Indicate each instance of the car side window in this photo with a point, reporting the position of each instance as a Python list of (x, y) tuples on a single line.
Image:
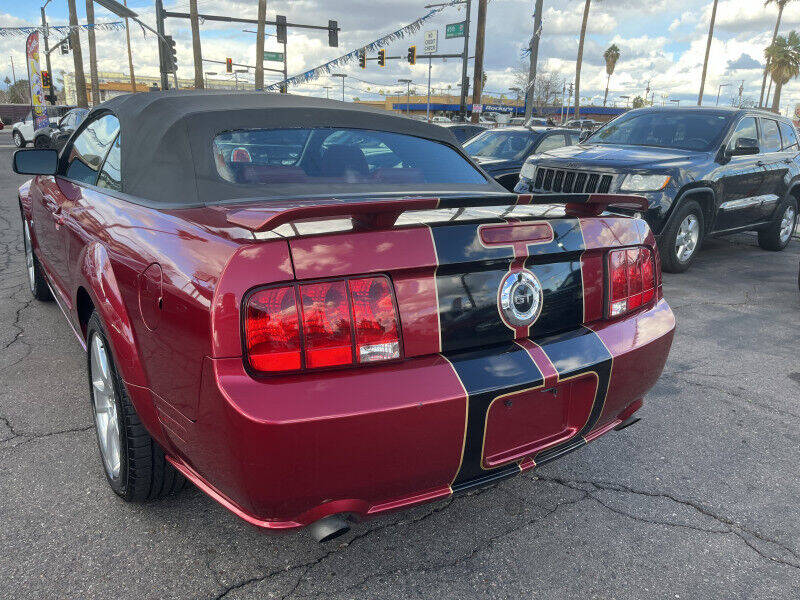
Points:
[(746, 128), (89, 149), (770, 136), (551, 142), (789, 135), (110, 176)]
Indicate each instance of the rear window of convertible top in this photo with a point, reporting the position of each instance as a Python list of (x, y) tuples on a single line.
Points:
[(337, 155)]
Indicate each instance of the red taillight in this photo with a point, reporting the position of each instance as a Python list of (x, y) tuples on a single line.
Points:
[(375, 319), (326, 324), (334, 323), (631, 279), (272, 330), (240, 155)]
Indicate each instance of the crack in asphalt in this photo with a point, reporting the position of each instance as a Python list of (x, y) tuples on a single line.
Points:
[(20, 438), (731, 526), (369, 532)]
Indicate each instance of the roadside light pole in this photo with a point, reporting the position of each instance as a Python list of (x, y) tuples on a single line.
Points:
[(719, 89), (408, 94), (342, 75)]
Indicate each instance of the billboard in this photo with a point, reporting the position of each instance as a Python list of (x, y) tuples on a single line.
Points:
[(35, 80)]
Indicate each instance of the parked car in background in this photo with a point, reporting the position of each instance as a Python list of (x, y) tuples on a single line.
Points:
[(516, 121), (439, 120), (463, 131), (22, 132), (2, 125), (537, 122), (704, 171), (501, 152), (313, 338), (582, 124), (55, 136)]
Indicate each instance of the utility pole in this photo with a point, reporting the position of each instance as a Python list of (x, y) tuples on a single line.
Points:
[(462, 105), (197, 52), (477, 75), (45, 35), (534, 48), (741, 91), (428, 110), (262, 17), (13, 72), (77, 56), (92, 53), (130, 54)]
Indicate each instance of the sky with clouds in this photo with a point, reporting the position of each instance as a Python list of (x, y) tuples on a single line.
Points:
[(661, 42)]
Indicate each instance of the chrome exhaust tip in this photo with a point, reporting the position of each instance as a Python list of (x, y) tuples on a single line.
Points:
[(329, 528)]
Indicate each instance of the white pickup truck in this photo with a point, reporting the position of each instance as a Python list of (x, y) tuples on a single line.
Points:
[(22, 131)]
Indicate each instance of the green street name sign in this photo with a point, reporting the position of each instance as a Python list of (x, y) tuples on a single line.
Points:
[(274, 56), (454, 30)]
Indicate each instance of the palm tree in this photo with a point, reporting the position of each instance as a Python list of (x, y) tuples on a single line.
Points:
[(781, 5), (708, 51), (783, 58), (612, 56), (579, 62)]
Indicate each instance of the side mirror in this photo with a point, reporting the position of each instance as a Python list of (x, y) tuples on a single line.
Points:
[(40, 161), (745, 147)]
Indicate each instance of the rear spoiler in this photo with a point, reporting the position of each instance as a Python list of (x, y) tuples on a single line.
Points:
[(374, 213)]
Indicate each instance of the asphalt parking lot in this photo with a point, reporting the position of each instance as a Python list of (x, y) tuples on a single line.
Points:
[(698, 500)]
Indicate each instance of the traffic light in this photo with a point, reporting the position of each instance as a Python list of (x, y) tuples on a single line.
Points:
[(280, 26), (333, 34), (46, 79), (362, 58), (381, 58), (229, 65), (169, 56), (412, 55)]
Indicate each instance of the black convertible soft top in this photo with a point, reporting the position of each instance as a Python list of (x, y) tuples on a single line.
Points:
[(167, 155)]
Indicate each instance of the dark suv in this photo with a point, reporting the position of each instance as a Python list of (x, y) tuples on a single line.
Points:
[(703, 171)]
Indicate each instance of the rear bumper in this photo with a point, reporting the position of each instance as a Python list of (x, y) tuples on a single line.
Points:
[(283, 452)]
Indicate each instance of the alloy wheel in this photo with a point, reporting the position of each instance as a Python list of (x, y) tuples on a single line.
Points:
[(104, 401), (687, 238), (787, 224), (18, 139), (29, 265)]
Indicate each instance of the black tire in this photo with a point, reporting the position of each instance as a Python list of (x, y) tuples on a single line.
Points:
[(769, 238), (670, 261), (144, 473), (41, 142), (19, 141), (34, 273)]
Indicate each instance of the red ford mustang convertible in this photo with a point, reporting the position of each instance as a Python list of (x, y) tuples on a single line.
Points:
[(319, 313)]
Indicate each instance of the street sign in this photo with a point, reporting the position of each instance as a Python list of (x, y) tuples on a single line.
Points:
[(273, 56), (431, 41), (477, 108), (454, 30)]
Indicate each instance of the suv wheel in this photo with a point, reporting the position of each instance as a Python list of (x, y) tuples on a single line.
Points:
[(777, 235), (36, 280), (19, 141), (682, 238), (134, 463)]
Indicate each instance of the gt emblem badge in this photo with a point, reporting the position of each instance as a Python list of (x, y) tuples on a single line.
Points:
[(521, 298)]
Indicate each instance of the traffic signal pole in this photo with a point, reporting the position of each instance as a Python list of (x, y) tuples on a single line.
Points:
[(95, 83), (160, 30), (45, 35)]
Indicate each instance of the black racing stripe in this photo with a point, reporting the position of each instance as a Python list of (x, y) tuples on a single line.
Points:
[(562, 293), (467, 281), (575, 353), (461, 243), (486, 374), (567, 237)]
